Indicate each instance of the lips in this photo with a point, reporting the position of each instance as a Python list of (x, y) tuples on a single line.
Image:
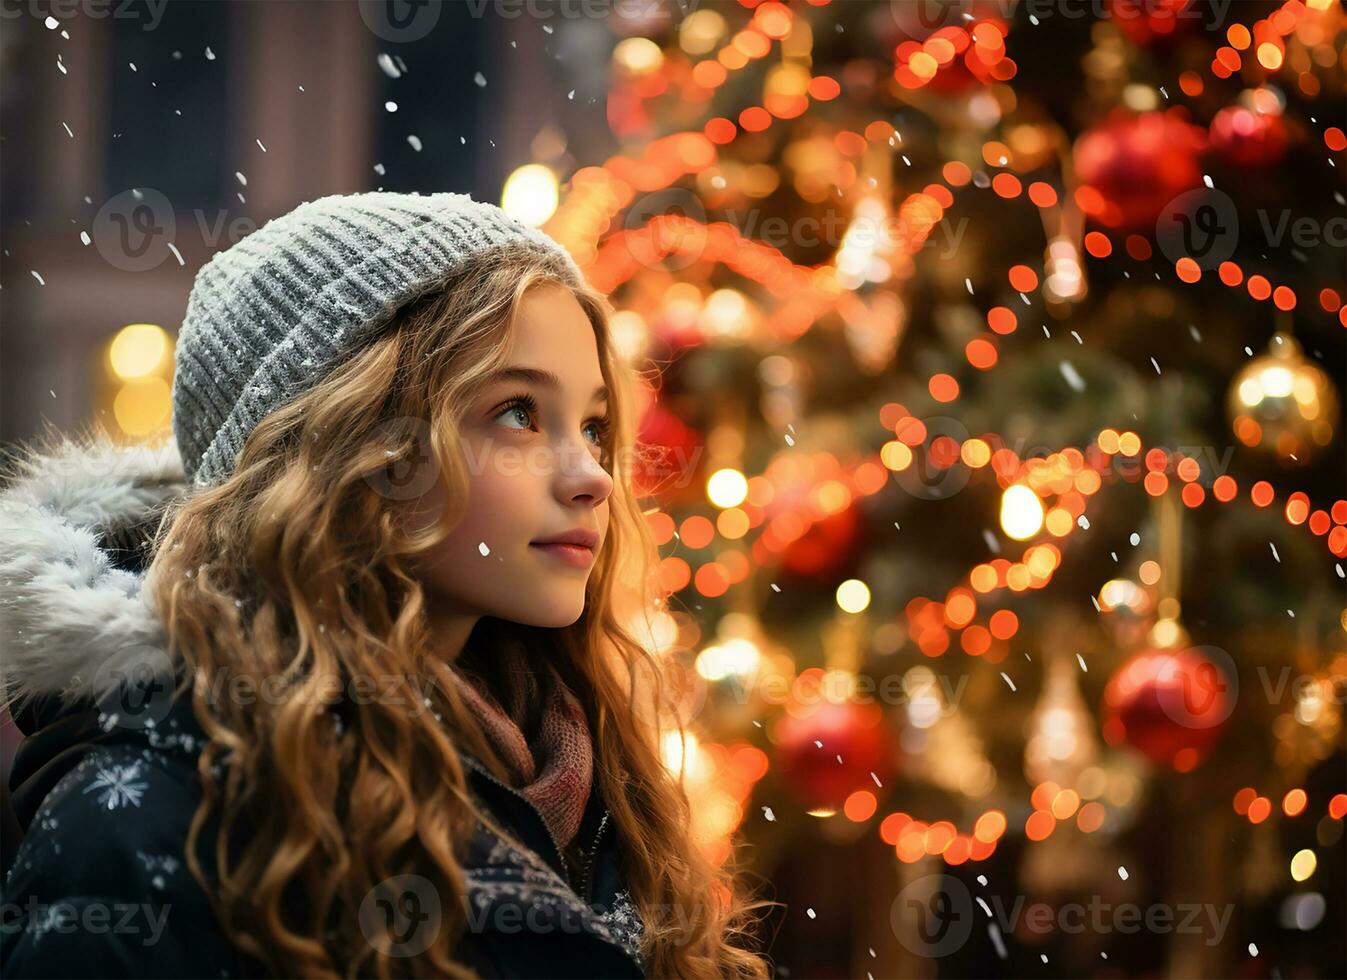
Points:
[(579, 537), (575, 548)]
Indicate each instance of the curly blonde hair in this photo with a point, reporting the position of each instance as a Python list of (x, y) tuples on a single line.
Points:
[(298, 572)]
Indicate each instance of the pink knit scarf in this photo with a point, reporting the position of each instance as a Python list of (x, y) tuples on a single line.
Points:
[(554, 773)]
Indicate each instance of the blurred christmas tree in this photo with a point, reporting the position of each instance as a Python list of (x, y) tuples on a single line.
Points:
[(1000, 483)]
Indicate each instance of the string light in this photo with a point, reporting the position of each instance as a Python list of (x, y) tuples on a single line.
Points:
[(530, 194)]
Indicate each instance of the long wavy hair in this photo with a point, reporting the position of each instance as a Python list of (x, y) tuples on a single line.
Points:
[(299, 573)]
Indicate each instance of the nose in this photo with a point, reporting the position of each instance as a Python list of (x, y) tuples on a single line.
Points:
[(581, 479)]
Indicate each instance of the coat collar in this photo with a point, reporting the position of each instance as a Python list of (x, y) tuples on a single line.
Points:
[(76, 518), (533, 831)]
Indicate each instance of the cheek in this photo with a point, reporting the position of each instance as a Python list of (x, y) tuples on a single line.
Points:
[(509, 504), (503, 501)]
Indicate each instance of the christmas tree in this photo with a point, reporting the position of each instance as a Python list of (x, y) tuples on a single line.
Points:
[(998, 467)]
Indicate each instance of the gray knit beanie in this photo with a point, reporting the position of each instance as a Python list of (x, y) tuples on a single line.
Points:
[(268, 317)]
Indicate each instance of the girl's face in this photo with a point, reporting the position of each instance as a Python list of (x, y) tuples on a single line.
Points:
[(537, 509)]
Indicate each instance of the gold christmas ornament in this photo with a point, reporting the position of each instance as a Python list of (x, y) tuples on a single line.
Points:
[(1283, 403), (1128, 606), (1061, 742)]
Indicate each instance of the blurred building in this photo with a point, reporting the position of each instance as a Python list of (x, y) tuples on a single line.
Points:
[(141, 138)]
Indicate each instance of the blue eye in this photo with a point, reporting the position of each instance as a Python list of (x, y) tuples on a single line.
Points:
[(519, 409), (599, 427)]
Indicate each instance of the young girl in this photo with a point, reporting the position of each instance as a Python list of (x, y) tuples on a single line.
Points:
[(346, 680)]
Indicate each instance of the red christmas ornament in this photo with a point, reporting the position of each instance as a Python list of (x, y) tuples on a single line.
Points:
[(1131, 166), (808, 748), (827, 548), (1147, 22), (1246, 138), (1171, 705), (956, 78)]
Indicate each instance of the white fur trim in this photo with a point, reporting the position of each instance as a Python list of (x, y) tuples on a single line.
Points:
[(70, 622)]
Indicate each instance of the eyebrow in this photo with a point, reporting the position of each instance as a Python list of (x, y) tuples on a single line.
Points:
[(539, 376)]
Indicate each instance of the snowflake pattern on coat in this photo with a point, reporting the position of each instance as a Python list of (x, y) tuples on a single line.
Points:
[(118, 786), (159, 865), (518, 875)]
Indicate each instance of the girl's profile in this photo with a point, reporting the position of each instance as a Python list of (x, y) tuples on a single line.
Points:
[(348, 677)]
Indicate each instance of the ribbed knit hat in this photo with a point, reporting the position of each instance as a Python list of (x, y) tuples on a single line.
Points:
[(268, 317)]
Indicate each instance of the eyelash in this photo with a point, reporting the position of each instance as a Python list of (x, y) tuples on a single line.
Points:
[(529, 404)]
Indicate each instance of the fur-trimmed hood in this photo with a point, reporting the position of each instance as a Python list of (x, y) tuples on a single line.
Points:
[(76, 619), (76, 517)]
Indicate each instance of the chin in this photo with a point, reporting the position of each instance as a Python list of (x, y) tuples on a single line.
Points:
[(553, 615)]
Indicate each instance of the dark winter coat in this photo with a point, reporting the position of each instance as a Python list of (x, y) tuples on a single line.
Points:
[(105, 784)]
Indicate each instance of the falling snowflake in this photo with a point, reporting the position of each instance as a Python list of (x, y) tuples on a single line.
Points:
[(117, 786), (997, 941)]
